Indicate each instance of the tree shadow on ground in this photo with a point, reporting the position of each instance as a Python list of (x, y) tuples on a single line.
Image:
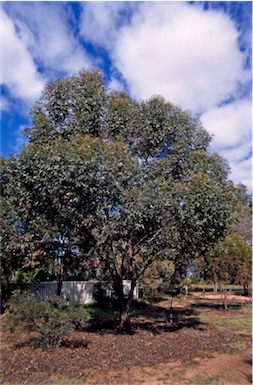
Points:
[(248, 359), (215, 306), (151, 318), (102, 325), (189, 323)]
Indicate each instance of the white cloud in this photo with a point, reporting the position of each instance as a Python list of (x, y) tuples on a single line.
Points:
[(19, 71), (116, 85), (242, 173), (230, 124), (45, 29), (237, 154), (192, 58), (100, 22), (188, 55), (240, 161)]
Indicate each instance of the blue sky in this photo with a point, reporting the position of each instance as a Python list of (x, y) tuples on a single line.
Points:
[(196, 54)]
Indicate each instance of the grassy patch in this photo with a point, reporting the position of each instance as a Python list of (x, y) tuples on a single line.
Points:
[(217, 380), (239, 324)]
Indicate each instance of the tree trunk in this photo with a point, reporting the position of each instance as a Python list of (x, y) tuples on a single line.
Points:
[(170, 312), (60, 277), (225, 300), (247, 287), (59, 286), (125, 306), (216, 285), (124, 319), (224, 296), (186, 288)]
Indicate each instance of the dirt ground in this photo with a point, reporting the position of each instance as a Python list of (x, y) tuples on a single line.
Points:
[(206, 345)]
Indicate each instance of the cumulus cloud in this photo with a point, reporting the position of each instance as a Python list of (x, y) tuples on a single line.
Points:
[(238, 154), (101, 21), (230, 124), (192, 57), (47, 31), (242, 173), (240, 161), (19, 71), (188, 55), (116, 85)]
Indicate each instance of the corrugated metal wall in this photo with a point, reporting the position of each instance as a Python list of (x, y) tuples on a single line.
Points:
[(72, 292)]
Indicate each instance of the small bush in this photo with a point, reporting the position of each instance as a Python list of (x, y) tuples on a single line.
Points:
[(79, 316), (50, 318), (54, 328), (23, 307)]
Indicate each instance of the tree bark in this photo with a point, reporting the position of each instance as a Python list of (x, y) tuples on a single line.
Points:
[(224, 296), (60, 277), (125, 306), (215, 280), (246, 289), (59, 286)]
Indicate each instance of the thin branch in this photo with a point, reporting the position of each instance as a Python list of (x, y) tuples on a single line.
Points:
[(151, 239), (148, 263), (140, 241)]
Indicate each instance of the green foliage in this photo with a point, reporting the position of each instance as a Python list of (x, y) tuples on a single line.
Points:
[(109, 182), (156, 279), (242, 215), (49, 318), (23, 307), (229, 260), (233, 260), (195, 280), (67, 107), (79, 316)]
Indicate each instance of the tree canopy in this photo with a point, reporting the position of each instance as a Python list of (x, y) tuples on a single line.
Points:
[(114, 183)]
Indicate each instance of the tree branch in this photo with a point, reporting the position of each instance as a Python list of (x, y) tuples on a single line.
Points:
[(151, 239), (147, 264)]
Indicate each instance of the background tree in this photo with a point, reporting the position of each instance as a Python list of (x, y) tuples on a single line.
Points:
[(156, 279), (242, 215), (229, 261)]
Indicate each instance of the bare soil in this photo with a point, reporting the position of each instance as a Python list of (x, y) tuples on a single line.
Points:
[(205, 345)]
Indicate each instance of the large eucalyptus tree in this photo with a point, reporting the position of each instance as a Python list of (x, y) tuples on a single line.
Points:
[(123, 182)]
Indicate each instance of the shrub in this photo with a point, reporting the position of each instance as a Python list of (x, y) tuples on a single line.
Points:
[(23, 307), (49, 318), (79, 316), (54, 328)]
